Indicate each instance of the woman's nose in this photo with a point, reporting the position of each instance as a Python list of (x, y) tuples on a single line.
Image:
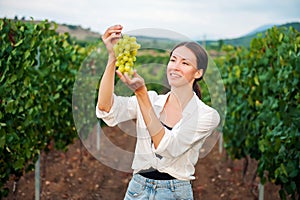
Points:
[(176, 65)]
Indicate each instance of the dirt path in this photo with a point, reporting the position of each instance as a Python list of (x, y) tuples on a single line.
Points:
[(77, 175)]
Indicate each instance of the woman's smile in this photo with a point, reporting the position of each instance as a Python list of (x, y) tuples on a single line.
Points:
[(175, 75)]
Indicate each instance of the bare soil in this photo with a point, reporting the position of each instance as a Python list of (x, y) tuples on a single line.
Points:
[(77, 175)]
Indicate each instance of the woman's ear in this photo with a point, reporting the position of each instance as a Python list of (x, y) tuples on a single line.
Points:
[(198, 74)]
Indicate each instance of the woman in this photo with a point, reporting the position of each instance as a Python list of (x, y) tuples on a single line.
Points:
[(171, 128)]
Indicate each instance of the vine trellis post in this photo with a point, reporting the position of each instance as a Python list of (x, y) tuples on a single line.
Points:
[(37, 164)]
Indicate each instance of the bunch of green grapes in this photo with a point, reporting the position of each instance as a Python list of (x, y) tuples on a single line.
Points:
[(125, 51)]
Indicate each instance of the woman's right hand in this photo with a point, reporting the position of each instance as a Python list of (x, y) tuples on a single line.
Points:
[(110, 38)]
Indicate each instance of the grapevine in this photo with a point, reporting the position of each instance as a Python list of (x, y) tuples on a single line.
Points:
[(262, 86), (36, 94)]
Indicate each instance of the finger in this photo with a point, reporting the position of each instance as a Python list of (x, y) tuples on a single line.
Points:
[(120, 75), (114, 32), (127, 78), (135, 74), (116, 29), (112, 37)]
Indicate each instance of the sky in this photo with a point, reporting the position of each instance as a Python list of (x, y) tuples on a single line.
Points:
[(195, 19)]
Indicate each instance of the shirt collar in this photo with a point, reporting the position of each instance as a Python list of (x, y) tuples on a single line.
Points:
[(161, 101), (191, 106), (189, 109)]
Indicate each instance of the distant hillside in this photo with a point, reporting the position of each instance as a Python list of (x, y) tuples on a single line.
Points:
[(245, 40), (87, 35), (75, 31), (78, 32), (260, 29)]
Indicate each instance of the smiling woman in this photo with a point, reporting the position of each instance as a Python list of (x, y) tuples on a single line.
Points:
[(192, 56), (171, 128)]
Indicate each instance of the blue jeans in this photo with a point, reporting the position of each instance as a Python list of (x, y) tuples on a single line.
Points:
[(141, 188)]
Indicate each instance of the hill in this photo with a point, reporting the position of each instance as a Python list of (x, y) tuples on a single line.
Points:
[(78, 32), (260, 29), (245, 40), (86, 35)]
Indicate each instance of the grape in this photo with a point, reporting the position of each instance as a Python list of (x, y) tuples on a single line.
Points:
[(125, 51)]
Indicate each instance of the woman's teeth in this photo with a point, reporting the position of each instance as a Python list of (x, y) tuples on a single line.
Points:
[(174, 75)]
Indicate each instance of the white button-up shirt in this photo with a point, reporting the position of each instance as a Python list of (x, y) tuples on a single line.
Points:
[(179, 149)]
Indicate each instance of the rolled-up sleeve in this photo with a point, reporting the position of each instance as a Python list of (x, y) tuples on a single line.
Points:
[(123, 109), (190, 131)]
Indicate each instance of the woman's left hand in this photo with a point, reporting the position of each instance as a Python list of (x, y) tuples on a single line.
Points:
[(133, 83)]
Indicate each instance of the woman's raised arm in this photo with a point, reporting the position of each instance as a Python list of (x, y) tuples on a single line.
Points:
[(106, 88)]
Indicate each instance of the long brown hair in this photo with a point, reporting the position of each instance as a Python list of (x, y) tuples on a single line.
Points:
[(202, 61)]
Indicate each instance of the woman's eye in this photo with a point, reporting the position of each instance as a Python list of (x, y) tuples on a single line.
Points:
[(172, 60), (185, 63)]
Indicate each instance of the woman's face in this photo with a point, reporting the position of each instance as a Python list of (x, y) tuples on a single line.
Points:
[(182, 67)]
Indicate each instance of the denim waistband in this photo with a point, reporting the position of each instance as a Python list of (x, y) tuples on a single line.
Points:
[(160, 183)]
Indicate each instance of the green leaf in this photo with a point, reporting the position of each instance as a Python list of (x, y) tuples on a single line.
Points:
[(19, 164), (18, 43), (13, 79), (28, 153), (2, 141), (28, 104), (261, 145), (56, 96), (280, 37), (283, 169), (10, 107), (256, 81)]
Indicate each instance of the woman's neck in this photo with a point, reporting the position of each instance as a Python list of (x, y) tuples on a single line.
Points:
[(181, 96)]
